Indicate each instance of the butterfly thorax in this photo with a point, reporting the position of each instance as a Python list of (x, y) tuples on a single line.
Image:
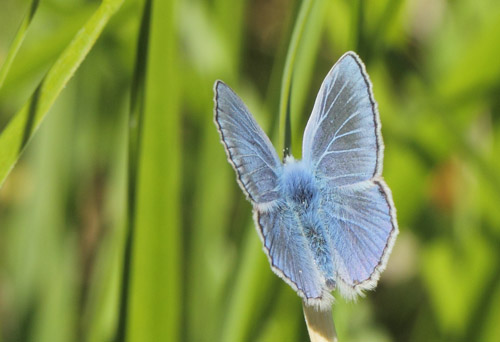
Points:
[(298, 185)]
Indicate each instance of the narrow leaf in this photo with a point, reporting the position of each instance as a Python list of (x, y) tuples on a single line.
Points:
[(24, 124), (18, 40), (286, 82), (155, 296)]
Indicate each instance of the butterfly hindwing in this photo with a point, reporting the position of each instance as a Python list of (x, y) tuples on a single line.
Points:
[(248, 148), (362, 230), (288, 252)]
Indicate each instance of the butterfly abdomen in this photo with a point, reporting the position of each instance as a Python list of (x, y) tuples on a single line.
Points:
[(302, 195)]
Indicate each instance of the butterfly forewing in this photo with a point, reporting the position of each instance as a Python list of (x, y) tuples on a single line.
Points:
[(342, 138), (248, 148)]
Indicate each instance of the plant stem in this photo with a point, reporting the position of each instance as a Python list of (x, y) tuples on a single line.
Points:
[(319, 324)]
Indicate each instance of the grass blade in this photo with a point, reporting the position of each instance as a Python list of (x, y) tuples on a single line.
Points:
[(136, 113), (24, 124), (286, 82), (155, 296), (18, 40), (251, 291)]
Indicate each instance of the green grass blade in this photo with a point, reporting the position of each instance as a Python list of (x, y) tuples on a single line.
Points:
[(251, 291), (136, 114), (210, 268), (52, 245), (24, 124), (230, 19), (39, 51), (286, 83), (305, 64), (155, 302), (18, 40)]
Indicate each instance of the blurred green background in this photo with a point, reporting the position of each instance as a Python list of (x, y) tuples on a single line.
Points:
[(122, 218)]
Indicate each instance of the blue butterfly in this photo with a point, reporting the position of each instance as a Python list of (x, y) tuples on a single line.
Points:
[(327, 221)]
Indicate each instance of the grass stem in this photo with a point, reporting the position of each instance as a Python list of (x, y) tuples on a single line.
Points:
[(319, 324)]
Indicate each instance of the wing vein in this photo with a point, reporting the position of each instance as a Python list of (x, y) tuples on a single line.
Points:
[(336, 97)]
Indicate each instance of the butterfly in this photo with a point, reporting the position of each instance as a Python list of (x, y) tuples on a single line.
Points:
[(327, 221)]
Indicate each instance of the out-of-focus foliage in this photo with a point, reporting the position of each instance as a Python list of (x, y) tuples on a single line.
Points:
[(129, 153)]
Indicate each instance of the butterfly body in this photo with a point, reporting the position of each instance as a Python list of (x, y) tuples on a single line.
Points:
[(326, 221), (302, 199)]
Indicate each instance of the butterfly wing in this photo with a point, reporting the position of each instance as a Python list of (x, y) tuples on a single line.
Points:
[(362, 227), (258, 170), (289, 255), (247, 147), (344, 149), (342, 139)]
